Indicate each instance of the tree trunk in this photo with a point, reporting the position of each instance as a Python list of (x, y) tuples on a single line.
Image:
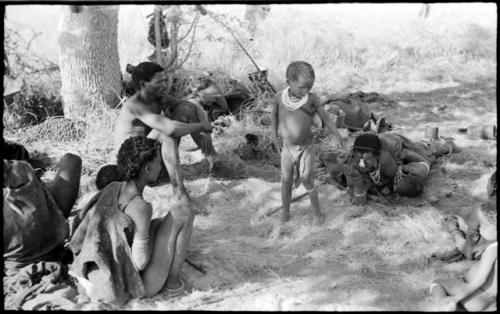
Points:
[(88, 59)]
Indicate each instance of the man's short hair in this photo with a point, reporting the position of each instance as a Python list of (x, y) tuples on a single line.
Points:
[(144, 71), (410, 186), (367, 143), (299, 68)]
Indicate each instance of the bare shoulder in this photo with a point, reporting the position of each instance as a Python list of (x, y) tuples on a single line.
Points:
[(139, 210), (134, 105), (168, 100), (315, 100)]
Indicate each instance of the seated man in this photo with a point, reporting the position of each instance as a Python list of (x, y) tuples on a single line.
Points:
[(120, 252), (477, 289), (141, 114)]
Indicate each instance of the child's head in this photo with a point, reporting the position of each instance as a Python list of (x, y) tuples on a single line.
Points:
[(487, 216), (148, 73), (300, 78), (106, 175), (139, 156)]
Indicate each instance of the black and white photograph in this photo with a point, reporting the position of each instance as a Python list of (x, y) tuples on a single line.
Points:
[(239, 156)]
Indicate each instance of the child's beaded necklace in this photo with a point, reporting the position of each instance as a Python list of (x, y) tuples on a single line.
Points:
[(289, 103)]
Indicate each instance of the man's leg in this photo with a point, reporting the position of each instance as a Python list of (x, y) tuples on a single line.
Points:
[(64, 187), (170, 156), (204, 141), (307, 176), (186, 112), (286, 183)]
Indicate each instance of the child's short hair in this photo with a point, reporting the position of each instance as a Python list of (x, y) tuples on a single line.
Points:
[(144, 71), (133, 155), (106, 175), (299, 68)]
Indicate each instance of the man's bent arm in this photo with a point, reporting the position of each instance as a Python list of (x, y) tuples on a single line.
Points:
[(326, 119), (169, 127)]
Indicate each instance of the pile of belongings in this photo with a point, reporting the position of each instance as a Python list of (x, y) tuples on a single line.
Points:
[(353, 111)]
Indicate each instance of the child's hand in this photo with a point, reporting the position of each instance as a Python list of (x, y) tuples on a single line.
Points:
[(277, 142), (385, 191)]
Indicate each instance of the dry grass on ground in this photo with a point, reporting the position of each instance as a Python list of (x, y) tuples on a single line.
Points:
[(372, 257)]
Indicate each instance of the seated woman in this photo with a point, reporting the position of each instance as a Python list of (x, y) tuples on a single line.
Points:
[(477, 289), (119, 251)]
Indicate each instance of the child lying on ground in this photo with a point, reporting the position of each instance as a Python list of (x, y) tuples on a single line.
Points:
[(477, 289), (293, 115)]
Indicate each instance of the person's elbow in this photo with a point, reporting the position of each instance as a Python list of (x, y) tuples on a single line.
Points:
[(140, 261), (170, 130)]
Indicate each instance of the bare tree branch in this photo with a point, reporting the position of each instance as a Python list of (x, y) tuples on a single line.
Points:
[(195, 21), (189, 48)]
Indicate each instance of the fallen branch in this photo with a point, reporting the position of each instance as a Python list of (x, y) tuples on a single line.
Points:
[(276, 209), (198, 267)]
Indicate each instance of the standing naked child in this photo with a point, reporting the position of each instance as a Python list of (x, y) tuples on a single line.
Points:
[(293, 111)]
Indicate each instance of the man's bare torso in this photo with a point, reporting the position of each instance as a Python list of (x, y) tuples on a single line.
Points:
[(127, 124)]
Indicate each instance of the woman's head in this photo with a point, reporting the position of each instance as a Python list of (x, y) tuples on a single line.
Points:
[(366, 148), (139, 156)]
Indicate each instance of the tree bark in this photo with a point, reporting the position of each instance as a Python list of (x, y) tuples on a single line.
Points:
[(88, 59)]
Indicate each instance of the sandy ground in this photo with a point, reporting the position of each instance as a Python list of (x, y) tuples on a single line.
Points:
[(373, 257)]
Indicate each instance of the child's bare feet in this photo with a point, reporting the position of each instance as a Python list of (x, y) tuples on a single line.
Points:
[(318, 219), (285, 216)]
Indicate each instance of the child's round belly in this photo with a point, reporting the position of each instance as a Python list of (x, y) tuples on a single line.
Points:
[(296, 130)]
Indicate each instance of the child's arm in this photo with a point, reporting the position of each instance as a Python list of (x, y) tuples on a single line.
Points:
[(485, 265), (275, 118), (326, 120)]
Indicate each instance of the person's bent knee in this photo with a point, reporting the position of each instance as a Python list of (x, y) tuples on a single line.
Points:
[(308, 183), (71, 160)]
